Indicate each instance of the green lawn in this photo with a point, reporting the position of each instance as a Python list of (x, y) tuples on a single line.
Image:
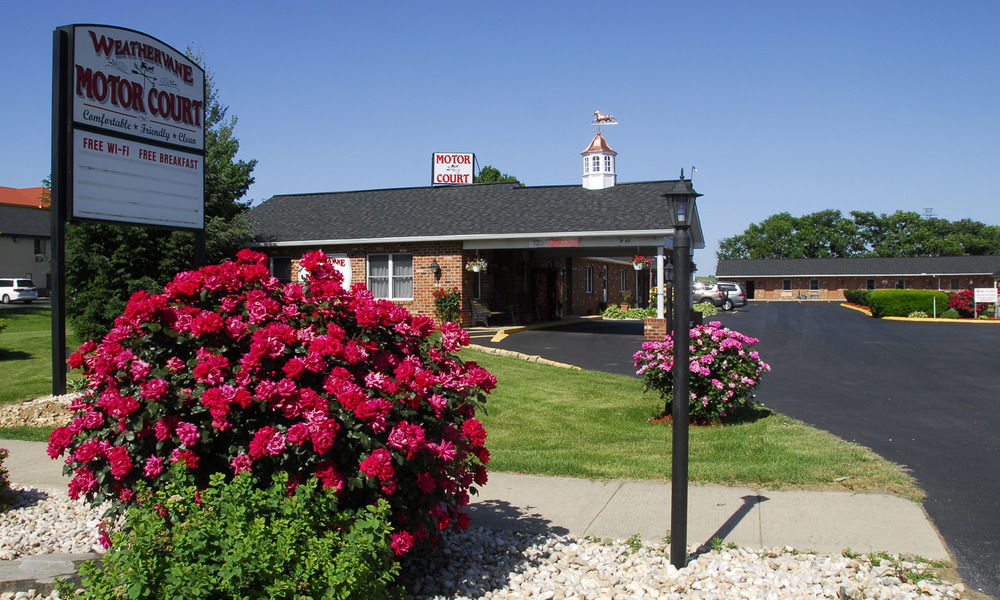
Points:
[(547, 420), (26, 353)]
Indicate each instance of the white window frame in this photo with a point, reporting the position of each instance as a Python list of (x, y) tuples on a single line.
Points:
[(624, 280), (391, 276), (595, 164), (588, 279), (607, 163)]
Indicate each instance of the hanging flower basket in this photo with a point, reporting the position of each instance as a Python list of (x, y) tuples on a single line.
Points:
[(639, 262), (476, 265)]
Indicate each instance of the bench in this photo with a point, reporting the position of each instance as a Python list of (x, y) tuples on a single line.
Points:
[(482, 313)]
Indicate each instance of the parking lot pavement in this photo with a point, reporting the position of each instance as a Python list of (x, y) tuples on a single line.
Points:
[(923, 395)]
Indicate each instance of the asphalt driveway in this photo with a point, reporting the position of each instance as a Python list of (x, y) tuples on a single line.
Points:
[(924, 395)]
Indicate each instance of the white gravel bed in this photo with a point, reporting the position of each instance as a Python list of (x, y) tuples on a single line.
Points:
[(502, 565)]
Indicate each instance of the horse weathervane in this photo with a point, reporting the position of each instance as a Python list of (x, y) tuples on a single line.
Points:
[(603, 119)]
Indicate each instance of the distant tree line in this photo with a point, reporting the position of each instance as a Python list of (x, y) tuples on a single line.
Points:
[(829, 234)]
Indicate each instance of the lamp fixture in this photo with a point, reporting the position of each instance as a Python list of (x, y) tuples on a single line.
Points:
[(435, 268)]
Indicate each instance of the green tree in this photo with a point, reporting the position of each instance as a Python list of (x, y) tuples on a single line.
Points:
[(107, 263), (828, 234), (491, 174)]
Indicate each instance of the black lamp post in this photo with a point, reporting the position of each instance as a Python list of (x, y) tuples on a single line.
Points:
[(682, 206)]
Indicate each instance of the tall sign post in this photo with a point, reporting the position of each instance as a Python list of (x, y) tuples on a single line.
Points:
[(128, 143)]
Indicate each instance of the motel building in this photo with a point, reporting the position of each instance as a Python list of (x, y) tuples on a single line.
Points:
[(550, 251)]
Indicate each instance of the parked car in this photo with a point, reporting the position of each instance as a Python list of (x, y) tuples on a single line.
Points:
[(733, 295), (706, 291), (17, 290)]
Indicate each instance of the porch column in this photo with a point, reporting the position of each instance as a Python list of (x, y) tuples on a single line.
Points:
[(660, 291)]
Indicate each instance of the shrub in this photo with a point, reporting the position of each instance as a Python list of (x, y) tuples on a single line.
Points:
[(229, 370), (859, 297), (917, 314), (707, 309), (963, 300), (951, 313), (899, 303), (5, 493), (3, 324), (724, 371), (447, 305), (613, 312), (237, 541)]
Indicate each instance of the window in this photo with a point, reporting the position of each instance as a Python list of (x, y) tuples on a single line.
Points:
[(955, 284), (595, 163), (814, 284), (900, 284), (624, 280), (870, 284), (39, 246), (281, 268), (588, 279), (607, 164), (786, 284), (390, 276)]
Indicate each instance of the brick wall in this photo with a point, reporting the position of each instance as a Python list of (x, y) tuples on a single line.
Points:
[(832, 287), (447, 254)]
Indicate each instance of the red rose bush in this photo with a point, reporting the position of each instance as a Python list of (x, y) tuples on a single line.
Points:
[(229, 370)]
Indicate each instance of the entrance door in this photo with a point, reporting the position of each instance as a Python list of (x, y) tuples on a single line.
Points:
[(750, 288)]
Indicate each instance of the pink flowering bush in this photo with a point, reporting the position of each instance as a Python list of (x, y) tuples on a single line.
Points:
[(724, 371), (229, 370)]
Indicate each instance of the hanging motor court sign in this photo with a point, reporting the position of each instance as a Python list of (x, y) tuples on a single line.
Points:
[(450, 168), (136, 109)]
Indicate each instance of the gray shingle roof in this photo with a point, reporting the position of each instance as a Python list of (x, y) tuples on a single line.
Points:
[(798, 267), (471, 211), (23, 220)]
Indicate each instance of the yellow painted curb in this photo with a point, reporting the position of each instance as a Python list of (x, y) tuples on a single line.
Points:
[(923, 320), (528, 357)]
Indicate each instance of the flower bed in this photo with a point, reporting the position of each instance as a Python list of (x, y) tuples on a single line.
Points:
[(724, 371), (229, 371)]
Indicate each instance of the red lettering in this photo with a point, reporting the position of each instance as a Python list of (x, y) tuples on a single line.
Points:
[(102, 47), (83, 81), (457, 159), (171, 106), (93, 144), (451, 178), (96, 85)]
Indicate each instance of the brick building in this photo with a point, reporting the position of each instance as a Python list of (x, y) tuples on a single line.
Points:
[(827, 278), (550, 250)]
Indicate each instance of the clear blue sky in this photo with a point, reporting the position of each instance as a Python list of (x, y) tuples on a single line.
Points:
[(782, 106)]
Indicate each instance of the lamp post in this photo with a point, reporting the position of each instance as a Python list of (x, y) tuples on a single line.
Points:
[(682, 206)]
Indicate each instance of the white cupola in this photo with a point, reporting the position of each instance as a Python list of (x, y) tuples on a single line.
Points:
[(599, 164)]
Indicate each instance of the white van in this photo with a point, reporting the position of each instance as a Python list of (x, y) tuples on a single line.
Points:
[(13, 289)]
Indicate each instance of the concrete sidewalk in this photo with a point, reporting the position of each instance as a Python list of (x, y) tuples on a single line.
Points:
[(826, 522)]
